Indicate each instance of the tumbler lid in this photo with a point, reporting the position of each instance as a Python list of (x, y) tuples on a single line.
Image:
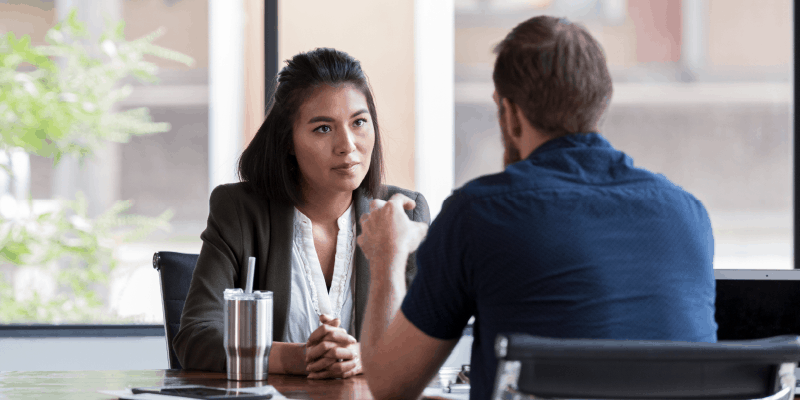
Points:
[(239, 294)]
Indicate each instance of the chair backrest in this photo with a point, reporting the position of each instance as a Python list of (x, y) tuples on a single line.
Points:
[(175, 271), (628, 369)]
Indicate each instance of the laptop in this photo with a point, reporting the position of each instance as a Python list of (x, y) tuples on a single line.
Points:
[(754, 304)]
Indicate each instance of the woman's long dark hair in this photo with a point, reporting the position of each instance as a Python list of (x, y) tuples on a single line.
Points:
[(267, 163)]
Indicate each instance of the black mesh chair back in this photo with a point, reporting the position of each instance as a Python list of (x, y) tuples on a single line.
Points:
[(536, 367), (175, 271)]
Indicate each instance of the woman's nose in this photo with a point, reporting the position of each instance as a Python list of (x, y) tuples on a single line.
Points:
[(346, 142)]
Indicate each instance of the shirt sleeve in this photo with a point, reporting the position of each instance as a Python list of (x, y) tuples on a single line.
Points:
[(441, 300)]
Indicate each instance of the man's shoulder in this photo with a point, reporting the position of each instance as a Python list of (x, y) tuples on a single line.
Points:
[(666, 189), (486, 185)]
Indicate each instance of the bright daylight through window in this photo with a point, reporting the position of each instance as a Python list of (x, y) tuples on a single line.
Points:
[(702, 94)]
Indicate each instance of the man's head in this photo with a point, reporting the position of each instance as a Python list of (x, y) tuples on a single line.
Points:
[(553, 73)]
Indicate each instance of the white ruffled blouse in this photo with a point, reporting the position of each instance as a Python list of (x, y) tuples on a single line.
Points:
[(309, 296)]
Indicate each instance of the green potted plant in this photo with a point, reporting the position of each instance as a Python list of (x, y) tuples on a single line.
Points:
[(58, 100)]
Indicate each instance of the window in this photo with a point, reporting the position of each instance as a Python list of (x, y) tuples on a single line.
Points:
[(702, 94), (160, 172)]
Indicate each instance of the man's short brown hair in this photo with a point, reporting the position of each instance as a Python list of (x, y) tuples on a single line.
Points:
[(556, 73)]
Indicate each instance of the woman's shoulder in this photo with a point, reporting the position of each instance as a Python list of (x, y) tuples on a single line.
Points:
[(239, 195), (420, 212), (392, 190), (235, 191)]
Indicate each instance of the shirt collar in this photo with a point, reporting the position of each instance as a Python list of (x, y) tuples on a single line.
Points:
[(345, 221), (575, 140)]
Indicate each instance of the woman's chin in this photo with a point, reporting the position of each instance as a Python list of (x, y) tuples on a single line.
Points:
[(346, 185)]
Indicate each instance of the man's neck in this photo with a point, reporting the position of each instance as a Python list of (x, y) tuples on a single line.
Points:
[(530, 140)]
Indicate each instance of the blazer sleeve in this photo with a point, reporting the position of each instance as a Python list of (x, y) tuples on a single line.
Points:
[(199, 342), (421, 213)]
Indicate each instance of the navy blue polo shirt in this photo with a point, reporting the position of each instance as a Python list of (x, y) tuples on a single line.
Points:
[(572, 242)]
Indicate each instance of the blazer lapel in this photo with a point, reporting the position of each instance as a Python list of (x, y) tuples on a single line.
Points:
[(361, 265), (278, 277)]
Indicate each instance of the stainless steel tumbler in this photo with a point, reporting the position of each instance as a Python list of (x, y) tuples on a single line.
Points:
[(248, 334)]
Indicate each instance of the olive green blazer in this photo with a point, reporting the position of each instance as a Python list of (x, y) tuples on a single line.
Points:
[(243, 224)]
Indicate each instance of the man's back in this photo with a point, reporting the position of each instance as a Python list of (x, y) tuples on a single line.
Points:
[(571, 242)]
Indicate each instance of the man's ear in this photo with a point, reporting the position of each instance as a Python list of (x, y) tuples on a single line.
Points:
[(512, 116)]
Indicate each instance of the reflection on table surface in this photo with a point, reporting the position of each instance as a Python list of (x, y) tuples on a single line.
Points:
[(85, 384)]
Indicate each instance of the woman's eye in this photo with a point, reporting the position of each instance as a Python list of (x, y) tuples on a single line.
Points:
[(323, 129), (360, 122)]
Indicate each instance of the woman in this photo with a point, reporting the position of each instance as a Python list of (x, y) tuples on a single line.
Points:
[(307, 176)]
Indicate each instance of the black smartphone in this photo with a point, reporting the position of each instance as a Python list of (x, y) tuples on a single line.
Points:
[(203, 392)]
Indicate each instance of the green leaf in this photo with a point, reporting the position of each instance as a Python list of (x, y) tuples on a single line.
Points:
[(63, 105), (13, 252)]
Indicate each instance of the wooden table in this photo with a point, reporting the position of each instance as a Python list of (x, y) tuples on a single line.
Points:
[(85, 384)]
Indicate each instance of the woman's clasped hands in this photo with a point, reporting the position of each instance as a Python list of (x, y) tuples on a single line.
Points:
[(331, 352)]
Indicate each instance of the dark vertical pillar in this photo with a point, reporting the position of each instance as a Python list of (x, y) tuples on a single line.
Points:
[(270, 47), (796, 142)]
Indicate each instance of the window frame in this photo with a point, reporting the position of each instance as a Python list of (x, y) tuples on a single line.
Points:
[(796, 147)]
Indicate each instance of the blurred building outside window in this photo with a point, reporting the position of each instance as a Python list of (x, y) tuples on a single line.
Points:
[(702, 94)]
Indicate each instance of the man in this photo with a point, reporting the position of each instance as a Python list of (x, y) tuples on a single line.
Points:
[(570, 241)]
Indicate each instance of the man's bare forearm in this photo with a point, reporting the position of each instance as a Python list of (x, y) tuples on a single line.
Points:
[(386, 293)]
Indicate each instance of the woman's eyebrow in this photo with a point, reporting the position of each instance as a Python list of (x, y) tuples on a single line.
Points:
[(359, 112), (320, 119), (329, 119)]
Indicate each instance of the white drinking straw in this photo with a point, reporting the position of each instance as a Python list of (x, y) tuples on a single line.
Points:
[(251, 270)]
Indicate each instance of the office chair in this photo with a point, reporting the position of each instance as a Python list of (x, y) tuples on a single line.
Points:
[(175, 271), (532, 367)]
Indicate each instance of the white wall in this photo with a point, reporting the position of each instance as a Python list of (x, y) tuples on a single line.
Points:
[(77, 354), (127, 353)]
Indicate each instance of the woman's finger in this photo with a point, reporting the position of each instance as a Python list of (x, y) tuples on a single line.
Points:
[(320, 333), (340, 353), (338, 335), (337, 340), (355, 371), (329, 320), (320, 364), (315, 352), (343, 369)]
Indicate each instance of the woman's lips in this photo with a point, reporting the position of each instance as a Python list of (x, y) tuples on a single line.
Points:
[(347, 169)]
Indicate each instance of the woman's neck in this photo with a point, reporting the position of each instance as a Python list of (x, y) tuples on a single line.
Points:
[(325, 208)]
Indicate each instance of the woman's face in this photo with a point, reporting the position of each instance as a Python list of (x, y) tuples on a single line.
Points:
[(333, 139)]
